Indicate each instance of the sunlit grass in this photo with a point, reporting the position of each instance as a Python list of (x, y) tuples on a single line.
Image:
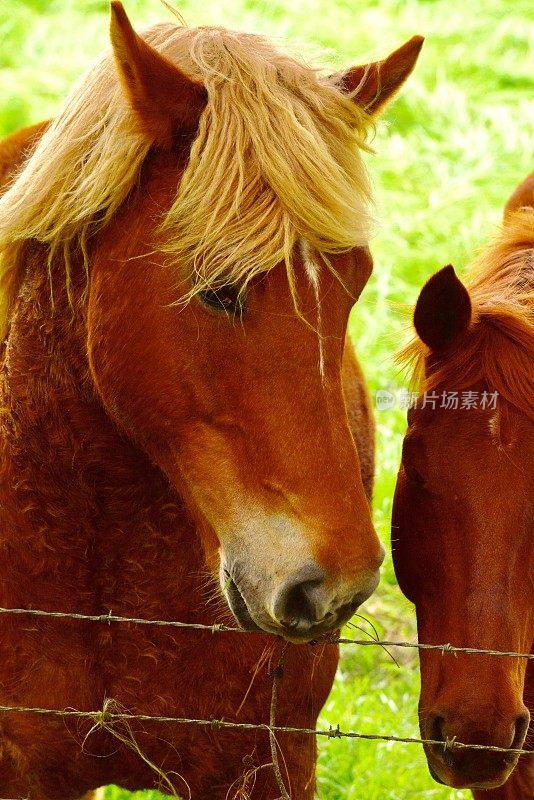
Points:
[(449, 152)]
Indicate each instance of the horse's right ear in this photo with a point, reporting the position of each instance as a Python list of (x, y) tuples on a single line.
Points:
[(443, 310), (164, 99)]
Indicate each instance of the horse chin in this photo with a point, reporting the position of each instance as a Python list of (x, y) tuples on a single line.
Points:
[(457, 781)]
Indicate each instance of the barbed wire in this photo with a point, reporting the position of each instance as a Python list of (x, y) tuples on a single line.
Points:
[(105, 717), (445, 648), (222, 628)]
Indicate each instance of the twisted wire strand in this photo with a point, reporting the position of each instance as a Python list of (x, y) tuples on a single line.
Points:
[(105, 717), (221, 628)]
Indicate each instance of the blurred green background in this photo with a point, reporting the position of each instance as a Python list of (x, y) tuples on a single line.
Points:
[(448, 154)]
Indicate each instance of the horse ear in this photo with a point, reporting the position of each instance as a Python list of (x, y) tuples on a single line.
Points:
[(443, 309), (374, 85), (164, 99)]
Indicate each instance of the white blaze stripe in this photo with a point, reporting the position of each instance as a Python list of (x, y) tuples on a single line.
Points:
[(312, 271)]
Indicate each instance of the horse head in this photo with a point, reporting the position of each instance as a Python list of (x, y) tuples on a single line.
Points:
[(463, 524), (217, 198)]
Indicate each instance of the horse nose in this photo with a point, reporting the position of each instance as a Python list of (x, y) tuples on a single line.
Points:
[(303, 601), (507, 736), (468, 767), (464, 767)]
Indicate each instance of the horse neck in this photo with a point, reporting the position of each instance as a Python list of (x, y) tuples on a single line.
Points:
[(73, 490)]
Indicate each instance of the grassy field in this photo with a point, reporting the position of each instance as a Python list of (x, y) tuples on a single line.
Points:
[(448, 154)]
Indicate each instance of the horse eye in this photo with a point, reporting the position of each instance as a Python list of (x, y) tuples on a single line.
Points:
[(413, 475), (225, 298)]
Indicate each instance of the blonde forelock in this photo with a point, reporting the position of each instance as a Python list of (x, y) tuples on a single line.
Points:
[(278, 156)]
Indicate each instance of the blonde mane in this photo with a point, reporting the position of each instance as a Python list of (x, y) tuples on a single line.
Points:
[(277, 157), (499, 343)]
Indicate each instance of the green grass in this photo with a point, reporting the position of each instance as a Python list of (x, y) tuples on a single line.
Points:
[(449, 152)]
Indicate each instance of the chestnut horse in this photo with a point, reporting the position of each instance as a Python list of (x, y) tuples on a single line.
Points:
[(463, 520), (180, 253)]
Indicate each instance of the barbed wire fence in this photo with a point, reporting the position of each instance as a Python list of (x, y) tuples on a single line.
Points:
[(108, 715)]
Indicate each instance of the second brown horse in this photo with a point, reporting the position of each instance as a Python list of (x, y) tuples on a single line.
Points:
[(463, 517)]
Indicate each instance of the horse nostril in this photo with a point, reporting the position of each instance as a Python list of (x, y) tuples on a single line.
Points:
[(301, 605), (436, 727), (520, 730), (299, 601)]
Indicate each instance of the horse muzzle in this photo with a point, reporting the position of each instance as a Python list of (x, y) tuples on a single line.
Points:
[(301, 608), (464, 768)]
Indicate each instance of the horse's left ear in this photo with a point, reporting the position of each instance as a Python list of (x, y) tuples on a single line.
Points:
[(164, 99), (443, 310), (374, 85)]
